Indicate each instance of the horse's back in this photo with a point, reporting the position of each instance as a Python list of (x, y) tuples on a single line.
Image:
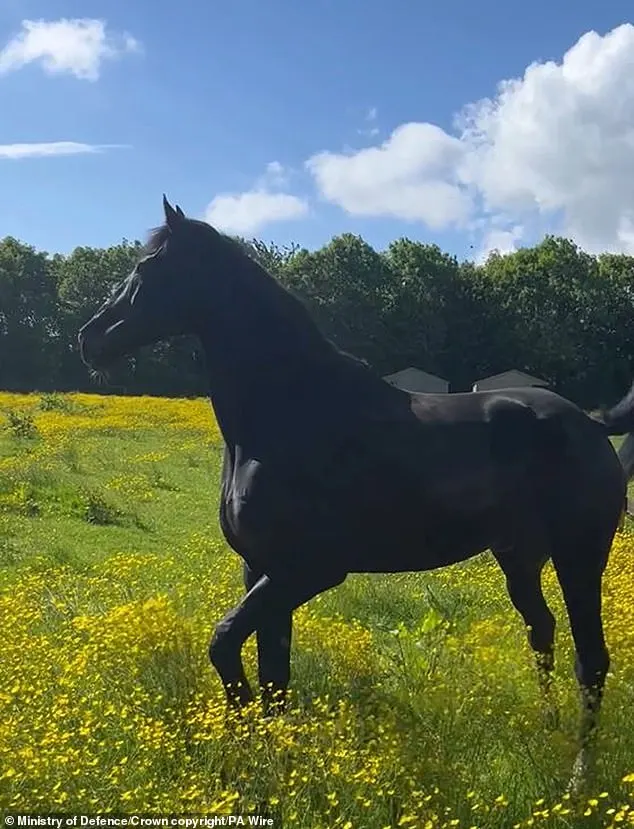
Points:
[(419, 481)]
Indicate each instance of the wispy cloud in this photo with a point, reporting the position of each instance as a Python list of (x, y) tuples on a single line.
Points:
[(52, 148), (75, 47), (370, 118), (276, 175)]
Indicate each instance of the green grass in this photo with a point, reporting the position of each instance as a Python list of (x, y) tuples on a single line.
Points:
[(113, 575)]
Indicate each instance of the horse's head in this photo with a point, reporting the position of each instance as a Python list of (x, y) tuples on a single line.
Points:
[(157, 300)]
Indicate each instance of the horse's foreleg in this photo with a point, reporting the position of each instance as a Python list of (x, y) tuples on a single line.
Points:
[(267, 600), (274, 651)]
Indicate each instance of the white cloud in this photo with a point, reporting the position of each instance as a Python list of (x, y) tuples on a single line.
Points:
[(263, 204), (554, 148), (17, 151), (250, 211), (560, 142), (77, 47), (411, 176), (502, 241)]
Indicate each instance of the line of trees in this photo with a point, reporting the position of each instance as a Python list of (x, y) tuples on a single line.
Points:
[(552, 310)]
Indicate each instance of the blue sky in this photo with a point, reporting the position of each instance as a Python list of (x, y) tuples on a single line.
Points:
[(214, 101)]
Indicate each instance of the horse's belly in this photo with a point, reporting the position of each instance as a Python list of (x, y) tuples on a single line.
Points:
[(421, 545), (409, 560), (361, 528)]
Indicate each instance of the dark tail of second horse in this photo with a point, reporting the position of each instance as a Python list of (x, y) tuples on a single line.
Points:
[(619, 420)]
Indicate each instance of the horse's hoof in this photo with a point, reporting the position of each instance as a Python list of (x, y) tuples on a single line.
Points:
[(273, 705), (580, 774), (238, 701)]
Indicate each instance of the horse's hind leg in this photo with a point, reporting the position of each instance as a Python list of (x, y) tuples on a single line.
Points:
[(523, 582), (580, 573), (274, 651)]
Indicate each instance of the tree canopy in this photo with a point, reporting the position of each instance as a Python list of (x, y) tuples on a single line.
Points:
[(553, 310)]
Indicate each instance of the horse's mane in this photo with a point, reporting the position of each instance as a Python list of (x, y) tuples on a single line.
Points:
[(158, 236), (156, 239)]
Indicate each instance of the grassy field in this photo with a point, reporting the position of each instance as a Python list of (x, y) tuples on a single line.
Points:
[(414, 697)]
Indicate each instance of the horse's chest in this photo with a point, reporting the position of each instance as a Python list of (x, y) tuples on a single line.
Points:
[(290, 513)]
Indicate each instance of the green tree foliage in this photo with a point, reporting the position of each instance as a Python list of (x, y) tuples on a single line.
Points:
[(424, 313), (567, 315), (347, 286), (29, 318), (552, 309)]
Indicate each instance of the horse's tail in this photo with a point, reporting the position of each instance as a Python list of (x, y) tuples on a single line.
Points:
[(619, 420)]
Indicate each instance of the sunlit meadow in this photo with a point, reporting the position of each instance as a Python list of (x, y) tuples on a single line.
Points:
[(414, 699)]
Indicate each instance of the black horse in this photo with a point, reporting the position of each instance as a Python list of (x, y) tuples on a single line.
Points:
[(328, 470)]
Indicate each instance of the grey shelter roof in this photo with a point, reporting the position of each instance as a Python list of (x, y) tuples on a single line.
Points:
[(510, 377), (414, 379)]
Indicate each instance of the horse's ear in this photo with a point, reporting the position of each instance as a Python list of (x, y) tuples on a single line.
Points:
[(173, 218)]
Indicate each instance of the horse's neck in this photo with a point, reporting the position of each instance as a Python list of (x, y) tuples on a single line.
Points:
[(257, 383), (271, 371)]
